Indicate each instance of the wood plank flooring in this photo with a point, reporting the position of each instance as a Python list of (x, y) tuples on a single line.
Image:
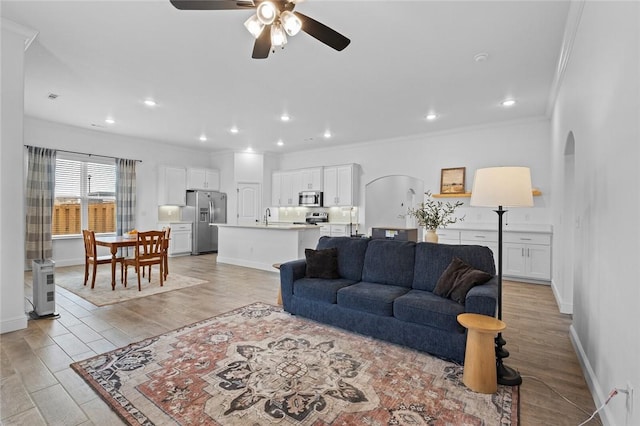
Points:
[(38, 387)]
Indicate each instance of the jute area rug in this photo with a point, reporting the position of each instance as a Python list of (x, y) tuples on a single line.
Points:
[(258, 365), (102, 294)]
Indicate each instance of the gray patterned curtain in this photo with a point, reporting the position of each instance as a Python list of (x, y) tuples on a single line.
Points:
[(41, 176), (125, 197)]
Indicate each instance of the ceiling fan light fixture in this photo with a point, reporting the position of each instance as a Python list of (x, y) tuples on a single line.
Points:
[(266, 12), (254, 26), (278, 36), (291, 23)]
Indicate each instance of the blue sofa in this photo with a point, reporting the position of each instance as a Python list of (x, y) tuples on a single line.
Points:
[(385, 290)]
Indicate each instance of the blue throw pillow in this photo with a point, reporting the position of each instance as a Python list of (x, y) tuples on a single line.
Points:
[(456, 281), (322, 263)]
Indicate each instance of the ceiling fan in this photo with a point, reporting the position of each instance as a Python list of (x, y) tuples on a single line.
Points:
[(272, 22)]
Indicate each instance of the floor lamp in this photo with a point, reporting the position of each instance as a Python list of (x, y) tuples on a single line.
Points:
[(502, 187)]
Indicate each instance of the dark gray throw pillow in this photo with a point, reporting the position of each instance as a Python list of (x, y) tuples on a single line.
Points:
[(456, 281), (322, 263)]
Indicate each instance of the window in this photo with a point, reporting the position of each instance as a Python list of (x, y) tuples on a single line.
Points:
[(84, 197)]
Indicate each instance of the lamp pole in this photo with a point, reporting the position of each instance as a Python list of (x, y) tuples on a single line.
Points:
[(506, 375)]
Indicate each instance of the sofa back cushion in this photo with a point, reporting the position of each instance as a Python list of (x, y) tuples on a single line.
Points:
[(389, 262), (433, 259), (350, 254)]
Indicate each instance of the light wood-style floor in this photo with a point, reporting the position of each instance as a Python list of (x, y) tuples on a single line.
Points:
[(38, 387)]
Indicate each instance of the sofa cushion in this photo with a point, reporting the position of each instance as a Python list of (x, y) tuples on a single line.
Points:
[(319, 289), (456, 281), (433, 259), (389, 262), (350, 254), (425, 308), (322, 263), (370, 297)]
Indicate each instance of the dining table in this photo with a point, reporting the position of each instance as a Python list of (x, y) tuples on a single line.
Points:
[(115, 242)]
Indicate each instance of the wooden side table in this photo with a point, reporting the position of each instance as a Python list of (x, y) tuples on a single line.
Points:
[(480, 356), (279, 301)]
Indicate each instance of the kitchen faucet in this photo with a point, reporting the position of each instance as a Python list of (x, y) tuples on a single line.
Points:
[(267, 214)]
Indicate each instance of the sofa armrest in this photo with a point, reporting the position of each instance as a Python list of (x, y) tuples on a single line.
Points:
[(483, 299), (290, 272)]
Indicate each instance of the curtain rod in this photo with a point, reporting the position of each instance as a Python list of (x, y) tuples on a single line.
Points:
[(81, 153)]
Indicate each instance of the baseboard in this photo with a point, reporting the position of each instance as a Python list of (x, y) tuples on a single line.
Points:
[(246, 263), (592, 380), (13, 324), (564, 307)]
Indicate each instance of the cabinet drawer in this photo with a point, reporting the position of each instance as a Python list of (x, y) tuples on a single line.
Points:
[(479, 236), (451, 237), (527, 238)]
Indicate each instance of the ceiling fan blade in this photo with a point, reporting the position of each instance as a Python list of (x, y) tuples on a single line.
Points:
[(262, 46), (212, 4), (321, 32)]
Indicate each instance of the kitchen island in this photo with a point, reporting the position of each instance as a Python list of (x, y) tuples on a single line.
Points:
[(261, 246)]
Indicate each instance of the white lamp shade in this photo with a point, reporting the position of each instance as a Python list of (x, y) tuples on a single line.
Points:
[(502, 186), (278, 36), (266, 12), (254, 26), (290, 22)]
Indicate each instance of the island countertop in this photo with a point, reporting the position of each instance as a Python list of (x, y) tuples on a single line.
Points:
[(271, 226)]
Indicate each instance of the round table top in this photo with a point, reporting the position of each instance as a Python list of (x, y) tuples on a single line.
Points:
[(481, 323)]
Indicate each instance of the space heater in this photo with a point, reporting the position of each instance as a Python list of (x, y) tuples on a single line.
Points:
[(44, 288)]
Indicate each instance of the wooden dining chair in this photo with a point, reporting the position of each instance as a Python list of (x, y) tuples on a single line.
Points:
[(91, 257), (167, 235), (148, 252)]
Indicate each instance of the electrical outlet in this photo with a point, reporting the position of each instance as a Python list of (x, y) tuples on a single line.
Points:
[(629, 398)]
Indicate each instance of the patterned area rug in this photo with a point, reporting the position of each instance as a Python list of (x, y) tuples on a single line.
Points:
[(102, 294), (258, 365)]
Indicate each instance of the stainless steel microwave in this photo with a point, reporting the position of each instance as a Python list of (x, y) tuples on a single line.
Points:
[(310, 199)]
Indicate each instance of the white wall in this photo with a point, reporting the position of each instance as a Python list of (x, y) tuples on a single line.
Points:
[(599, 103), (523, 143), (151, 153), (12, 249)]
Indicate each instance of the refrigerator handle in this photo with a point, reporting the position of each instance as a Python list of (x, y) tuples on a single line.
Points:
[(212, 219)]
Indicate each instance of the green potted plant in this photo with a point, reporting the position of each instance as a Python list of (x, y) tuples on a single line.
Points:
[(432, 214)]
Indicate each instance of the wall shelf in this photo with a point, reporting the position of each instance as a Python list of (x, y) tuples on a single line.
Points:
[(536, 192)]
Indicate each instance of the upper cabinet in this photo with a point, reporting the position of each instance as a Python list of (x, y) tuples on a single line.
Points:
[(341, 185), (172, 186), (206, 179), (284, 188), (311, 179)]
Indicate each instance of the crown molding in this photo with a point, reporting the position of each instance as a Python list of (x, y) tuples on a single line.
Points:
[(570, 30), (27, 33)]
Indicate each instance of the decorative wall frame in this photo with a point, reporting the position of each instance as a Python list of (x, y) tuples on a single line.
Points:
[(452, 181)]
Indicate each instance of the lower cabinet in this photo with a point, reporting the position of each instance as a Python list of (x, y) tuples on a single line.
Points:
[(180, 239), (335, 230), (525, 255)]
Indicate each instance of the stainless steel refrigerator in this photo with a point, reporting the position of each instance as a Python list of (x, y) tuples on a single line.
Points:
[(206, 209)]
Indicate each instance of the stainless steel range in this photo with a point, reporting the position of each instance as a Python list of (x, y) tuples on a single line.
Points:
[(314, 218)]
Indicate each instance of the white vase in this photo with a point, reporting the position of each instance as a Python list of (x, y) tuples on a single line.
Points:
[(430, 236)]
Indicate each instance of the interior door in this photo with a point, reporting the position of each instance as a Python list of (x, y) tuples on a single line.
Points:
[(249, 206)]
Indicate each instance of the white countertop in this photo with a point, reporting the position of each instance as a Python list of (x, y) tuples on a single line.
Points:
[(516, 227), (272, 226), (176, 221)]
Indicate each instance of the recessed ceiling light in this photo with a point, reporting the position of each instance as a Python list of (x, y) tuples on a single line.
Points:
[(508, 102), (481, 57), (431, 116), (285, 117), (203, 138), (280, 143), (109, 120), (249, 149), (234, 130), (327, 134), (150, 102)]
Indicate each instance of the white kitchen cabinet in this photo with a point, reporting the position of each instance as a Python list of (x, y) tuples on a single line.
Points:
[(335, 230), (340, 185), (527, 255), (207, 179), (172, 186), (180, 238), (285, 186), (311, 179)]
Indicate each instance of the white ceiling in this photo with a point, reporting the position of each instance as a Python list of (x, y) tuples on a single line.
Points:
[(406, 58)]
